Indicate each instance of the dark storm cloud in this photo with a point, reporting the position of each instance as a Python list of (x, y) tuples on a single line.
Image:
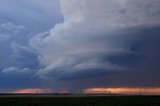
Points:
[(111, 37), (104, 43)]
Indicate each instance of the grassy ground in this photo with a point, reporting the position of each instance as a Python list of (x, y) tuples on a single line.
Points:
[(81, 101)]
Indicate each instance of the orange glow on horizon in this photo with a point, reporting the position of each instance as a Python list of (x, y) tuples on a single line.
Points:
[(144, 91), (33, 90)]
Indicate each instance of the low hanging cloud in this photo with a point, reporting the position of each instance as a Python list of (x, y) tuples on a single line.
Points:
[(92, 31)]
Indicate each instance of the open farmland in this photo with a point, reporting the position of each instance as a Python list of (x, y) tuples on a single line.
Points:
[(81, 100)]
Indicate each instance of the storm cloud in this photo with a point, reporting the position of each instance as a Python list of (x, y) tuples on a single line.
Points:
[(92, 33), (61, 44)]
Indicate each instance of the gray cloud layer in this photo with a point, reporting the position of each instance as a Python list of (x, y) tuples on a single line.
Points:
[(101, 43), (92, 32)]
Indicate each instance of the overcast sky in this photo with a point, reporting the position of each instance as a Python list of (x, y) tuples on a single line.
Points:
[(59, 44)]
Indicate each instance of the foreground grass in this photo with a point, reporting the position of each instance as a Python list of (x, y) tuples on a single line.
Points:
[(82, 101)]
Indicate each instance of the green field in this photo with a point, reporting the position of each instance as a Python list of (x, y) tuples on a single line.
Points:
[(81, 101)]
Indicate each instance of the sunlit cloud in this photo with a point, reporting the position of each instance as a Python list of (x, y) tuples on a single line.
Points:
[(133, 91), (33, 90)]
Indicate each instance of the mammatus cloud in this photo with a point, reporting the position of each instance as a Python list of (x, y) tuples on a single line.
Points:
[(7, 30), (92, 31)]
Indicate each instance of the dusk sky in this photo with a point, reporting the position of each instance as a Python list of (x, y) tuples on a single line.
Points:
[(69, 45)]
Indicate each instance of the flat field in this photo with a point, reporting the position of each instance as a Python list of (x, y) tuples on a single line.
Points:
[(41, 100)]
